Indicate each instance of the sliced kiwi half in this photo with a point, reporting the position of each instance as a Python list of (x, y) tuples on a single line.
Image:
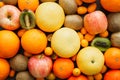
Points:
[(101, 43), (27, 19)]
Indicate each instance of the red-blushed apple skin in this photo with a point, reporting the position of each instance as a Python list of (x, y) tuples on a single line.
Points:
[(95, 22), (14, 12), (40, 67)]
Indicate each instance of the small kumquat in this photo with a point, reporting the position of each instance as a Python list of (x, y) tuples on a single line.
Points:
[(82, 10), (98, 76), (80, 35), (83, 30), (76, 72), (79, 2), (104, 34), (21, 32), (12, 73), (84, 43), (48, 51), (92, 7), (89, 37)]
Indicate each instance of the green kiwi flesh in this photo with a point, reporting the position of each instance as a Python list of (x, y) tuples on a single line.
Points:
[(101, 43), (27, 19)]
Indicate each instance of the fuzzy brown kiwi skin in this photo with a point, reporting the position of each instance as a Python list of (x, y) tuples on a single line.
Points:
[(69, 6), (114, 22), (73, 21), (24, 75), (27, 19), (115, 39), (19, 62)]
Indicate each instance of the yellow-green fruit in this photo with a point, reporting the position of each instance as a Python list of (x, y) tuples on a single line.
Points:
[(65, 42), (90, 60), (49, 16)]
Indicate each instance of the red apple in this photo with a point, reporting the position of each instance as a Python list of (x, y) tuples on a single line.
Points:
[(40, 66), (9, 17), (95, 22)]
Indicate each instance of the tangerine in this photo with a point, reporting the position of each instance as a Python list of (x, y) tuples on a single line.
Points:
[(63, 67), (112, 75), (111, 5), (34, 41), (28, 4), (112, 58)]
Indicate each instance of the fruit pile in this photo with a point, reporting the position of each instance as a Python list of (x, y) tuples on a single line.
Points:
[(60, 40)]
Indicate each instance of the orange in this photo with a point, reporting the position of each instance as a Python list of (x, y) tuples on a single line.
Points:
[(63, 67), (112, 75), (111, 5), (88, 1), (34, 41), (28, 4), (112, 58), (4, 69), (9, 44), (80, 77)]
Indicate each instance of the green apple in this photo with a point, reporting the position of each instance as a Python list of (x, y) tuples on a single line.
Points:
[(90, 60)]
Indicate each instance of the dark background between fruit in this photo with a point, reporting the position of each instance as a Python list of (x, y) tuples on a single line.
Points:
[(98, 8)]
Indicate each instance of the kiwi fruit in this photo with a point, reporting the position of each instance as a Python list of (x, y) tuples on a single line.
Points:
[(115, 39), (101, 43), (19, 62), (69, 6), (27, 19), (114, 22), (73, 21), (24, 75), (10, 2)]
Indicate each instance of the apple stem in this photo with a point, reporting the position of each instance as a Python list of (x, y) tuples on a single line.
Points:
[(27, 21)]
